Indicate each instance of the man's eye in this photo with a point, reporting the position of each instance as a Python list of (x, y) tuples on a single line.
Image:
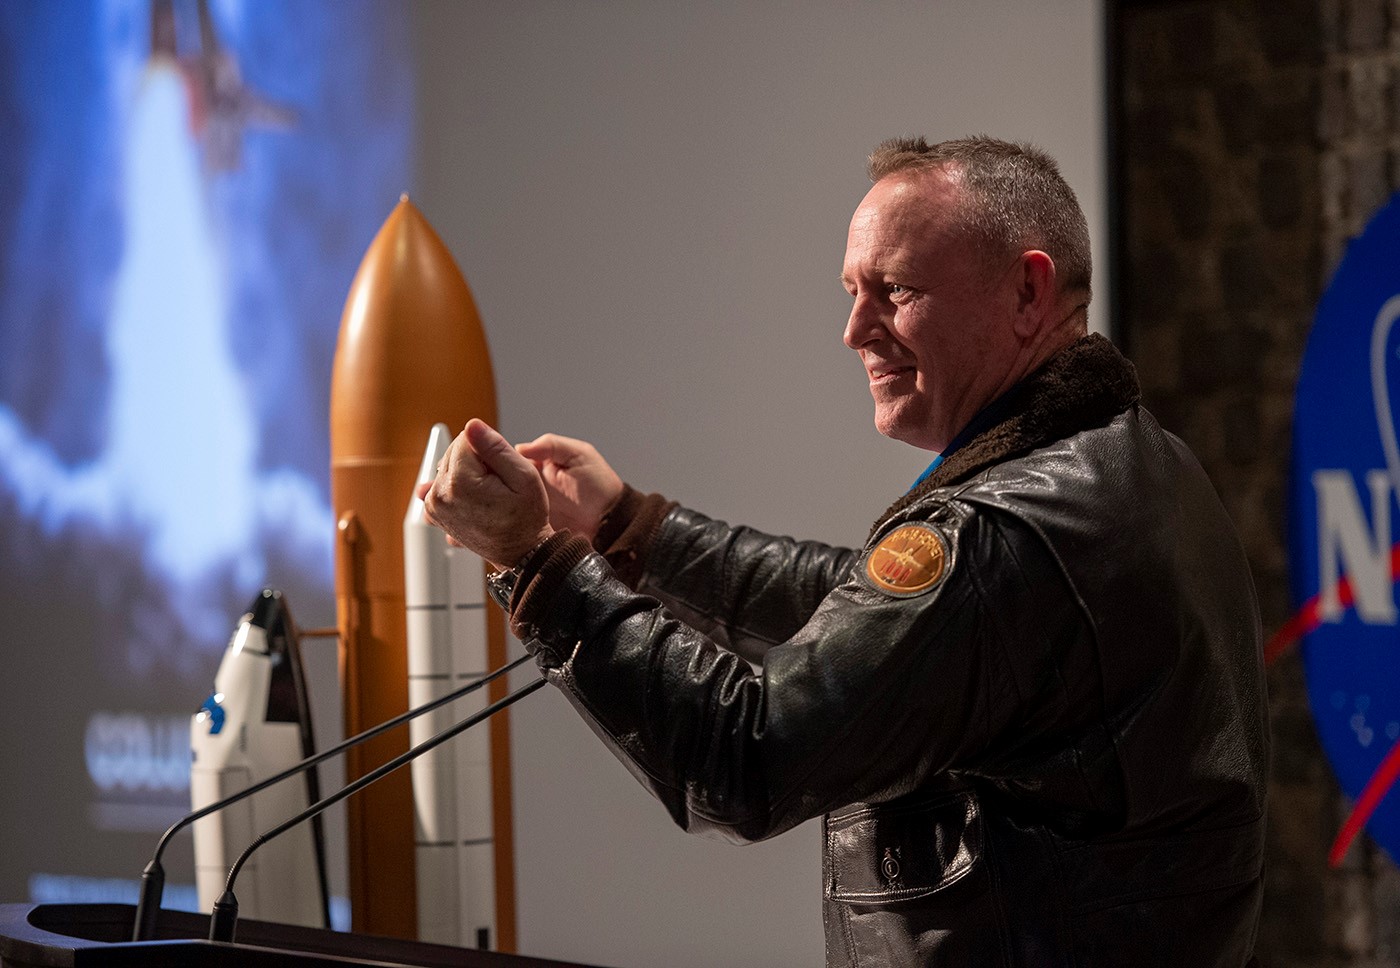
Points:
[(895, 289)]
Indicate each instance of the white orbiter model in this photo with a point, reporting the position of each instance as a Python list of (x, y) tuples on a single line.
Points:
[(256, 723)]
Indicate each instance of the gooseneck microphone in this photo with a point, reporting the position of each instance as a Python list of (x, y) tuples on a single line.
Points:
[(153, 877), (224, 918)]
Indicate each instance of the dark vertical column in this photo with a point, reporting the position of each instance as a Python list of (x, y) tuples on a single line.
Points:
[(1245, 158)]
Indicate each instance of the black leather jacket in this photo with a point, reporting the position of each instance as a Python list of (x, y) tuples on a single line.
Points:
[(1054, 754)]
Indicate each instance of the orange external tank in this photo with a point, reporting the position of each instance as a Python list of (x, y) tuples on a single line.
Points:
[(411, 353)]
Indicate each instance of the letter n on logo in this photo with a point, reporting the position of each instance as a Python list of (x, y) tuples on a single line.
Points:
[(1346, 547)]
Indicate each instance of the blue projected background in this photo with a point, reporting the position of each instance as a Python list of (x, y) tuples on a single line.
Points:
[(186, 189)]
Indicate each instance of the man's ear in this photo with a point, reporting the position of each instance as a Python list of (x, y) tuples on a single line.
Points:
[(1035, 292)]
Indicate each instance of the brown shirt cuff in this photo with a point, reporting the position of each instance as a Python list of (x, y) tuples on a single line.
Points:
[(541, 573), (624, 537), (626, 532)]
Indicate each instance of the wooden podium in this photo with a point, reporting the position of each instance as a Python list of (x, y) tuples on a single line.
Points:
[(81, 935)]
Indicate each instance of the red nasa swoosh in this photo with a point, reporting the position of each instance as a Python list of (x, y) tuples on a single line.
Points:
[(1304, 621)]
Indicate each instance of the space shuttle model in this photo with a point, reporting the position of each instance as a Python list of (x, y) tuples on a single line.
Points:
[(411, 355), (255, 723)]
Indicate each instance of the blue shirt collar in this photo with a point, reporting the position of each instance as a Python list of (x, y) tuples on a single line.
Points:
[(986, 418)]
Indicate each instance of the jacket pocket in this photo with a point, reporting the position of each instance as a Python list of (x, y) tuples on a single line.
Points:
[(902, 850), (907, 884)]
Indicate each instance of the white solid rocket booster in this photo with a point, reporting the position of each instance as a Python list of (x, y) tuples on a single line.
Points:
[(257, 723), (446, 605)]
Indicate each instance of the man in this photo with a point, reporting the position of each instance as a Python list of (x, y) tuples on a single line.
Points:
[(1030, 710)]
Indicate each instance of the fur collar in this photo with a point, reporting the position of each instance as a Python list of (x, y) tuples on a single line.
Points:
[(1085, 385)]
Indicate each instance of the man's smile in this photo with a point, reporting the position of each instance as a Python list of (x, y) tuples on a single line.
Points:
[(882, 373)]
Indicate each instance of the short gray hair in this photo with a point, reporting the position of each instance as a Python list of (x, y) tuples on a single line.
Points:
[(1014, 198)]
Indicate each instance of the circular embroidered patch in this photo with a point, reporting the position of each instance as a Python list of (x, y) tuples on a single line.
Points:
[(907, 561)]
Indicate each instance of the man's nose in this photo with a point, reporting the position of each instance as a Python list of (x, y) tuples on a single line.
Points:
[(865, 323)]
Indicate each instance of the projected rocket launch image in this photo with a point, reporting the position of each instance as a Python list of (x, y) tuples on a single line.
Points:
[(189, 187)]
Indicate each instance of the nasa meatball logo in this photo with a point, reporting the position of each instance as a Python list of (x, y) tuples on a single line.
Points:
[(1343, 554), (908, 561)]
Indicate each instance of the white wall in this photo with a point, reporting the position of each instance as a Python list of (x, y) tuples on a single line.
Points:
[(650, 201)]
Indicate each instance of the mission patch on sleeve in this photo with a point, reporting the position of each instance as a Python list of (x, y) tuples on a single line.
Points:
[(908, 561)]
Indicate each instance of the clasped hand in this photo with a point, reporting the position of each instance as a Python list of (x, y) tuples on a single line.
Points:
[(501, 501)]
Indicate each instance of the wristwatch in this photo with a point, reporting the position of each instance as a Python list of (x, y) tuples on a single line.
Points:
[(500, 585)]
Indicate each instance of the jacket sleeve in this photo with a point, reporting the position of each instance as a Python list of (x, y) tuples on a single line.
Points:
[(870, 696), (748, 590), (745, 589)]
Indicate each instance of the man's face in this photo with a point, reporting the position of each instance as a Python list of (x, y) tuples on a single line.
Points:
[(932, 322)]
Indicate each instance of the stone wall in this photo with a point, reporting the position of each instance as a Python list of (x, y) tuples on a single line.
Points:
[(1255, 139)]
